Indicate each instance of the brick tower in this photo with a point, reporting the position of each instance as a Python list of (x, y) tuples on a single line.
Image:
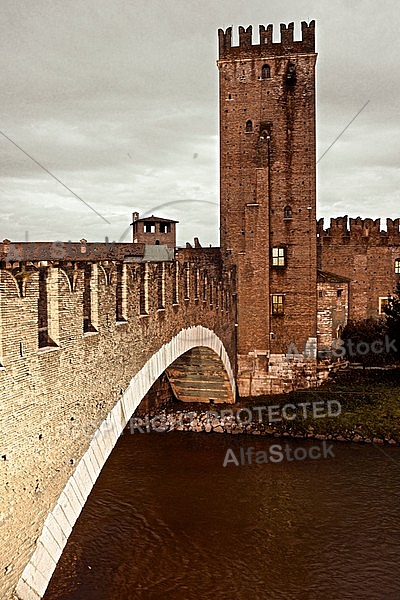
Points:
[(268, 197)]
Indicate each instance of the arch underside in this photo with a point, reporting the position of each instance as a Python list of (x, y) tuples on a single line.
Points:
[(199, 376), (208, 357)]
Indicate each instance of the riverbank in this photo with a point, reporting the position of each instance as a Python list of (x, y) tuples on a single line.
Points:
[(365, 409)]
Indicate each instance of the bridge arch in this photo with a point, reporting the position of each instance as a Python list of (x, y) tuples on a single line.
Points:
[(60, 521)]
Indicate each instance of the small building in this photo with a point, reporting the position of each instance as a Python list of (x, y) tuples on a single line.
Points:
[(154, 231)]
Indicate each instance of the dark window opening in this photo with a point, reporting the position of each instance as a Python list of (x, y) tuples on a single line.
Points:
[(249, 126), (157, 242), (150, 227), (175, 284), (143, 301), (266, 72), (339, 293), (165, 227), (44, 339), (161, 285), (287, 212), (119, 309), (87, 299), (291, 75)]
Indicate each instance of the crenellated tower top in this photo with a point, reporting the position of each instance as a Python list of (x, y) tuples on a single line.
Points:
[(266, 47)]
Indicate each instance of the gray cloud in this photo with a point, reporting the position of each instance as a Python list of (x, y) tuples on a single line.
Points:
[(116, 99)]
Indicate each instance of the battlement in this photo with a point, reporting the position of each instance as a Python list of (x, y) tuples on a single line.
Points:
[(266, 47), (14, 252), (343, 230)]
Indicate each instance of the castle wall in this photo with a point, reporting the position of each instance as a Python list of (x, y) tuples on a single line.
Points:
[(365, 254), (53, 398)]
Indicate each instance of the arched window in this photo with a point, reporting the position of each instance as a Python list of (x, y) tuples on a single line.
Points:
[(266, 72), (249, 126), (287, 212), (397, 266)]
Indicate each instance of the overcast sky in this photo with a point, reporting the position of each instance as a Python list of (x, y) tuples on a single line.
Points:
[(119, 101)]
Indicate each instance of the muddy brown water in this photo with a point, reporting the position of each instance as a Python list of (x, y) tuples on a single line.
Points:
[(167, 520)]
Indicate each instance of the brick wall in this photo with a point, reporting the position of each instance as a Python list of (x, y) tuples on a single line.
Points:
[(267, 179), (53, 398), (366, 255)]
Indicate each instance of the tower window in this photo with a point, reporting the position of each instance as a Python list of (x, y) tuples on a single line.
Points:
[(287, 212), (266, 72), (165, 228), (277, 304), (339, 293), (278, 257), (149, 227), (249, 126), (383, 301), (397, 266)]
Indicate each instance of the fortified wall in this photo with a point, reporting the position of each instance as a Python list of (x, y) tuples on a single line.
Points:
[(358, 249), (72, 336)]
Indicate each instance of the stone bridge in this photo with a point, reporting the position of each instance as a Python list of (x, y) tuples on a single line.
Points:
[(81, 344)]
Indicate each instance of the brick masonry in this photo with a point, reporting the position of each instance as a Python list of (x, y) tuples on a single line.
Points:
[(55, 398), (85, 332), (268, 198), (364, 253)]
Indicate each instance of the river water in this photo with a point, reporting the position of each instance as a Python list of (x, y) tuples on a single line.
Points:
[(167, 520)]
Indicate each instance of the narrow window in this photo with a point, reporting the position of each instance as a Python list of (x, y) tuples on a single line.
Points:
[(339, 293), (278, 257), (175, 283), (144, 289), (397, 266), (382, 303), (277, 304), (249, 126), (187, 281), (161, 285), (47, 307), (165, 227), (211, 292), (266, 72), (89, 298), (149, 227), (120, 293), (287, 212), (205, 288), (320, 294), (196, 284)]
